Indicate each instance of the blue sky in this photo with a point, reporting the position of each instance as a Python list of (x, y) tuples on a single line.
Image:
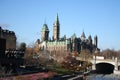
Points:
[(95, 17)]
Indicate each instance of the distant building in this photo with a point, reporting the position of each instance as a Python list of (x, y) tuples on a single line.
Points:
[(10, 38), (62, 44)]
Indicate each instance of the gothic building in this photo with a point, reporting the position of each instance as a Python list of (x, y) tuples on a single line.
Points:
[(10, 38), (62, 44)]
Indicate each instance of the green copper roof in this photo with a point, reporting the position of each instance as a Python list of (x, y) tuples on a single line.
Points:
[(55, 43), (45, 27), (73, 36)]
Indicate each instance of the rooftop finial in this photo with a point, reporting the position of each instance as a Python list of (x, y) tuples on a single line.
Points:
[(57, 16), (57, 19), (83, 30), (83, 34), (45, 21)]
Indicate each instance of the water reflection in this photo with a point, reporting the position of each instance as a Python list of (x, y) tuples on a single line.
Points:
[(103, 77)]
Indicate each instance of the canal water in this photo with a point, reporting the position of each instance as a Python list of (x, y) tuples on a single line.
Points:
[(103, 77)]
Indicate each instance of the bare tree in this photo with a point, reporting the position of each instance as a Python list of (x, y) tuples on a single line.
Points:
[(85, 54), (109, 54), (22, 46)]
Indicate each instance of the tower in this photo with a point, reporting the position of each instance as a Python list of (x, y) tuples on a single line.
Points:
[(95, 41), (56, 29), (90, 40), (45, 33), (83, 36)]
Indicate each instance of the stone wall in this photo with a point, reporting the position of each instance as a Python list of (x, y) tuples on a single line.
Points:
[(10, 38)]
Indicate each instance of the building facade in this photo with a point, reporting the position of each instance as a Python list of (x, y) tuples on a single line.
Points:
[(65, 44), (10, 38)]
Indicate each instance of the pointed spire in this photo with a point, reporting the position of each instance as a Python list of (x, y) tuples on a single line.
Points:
[(83, 38), (57, 19), (83, 35), (73, 36), (90, 40), (89, 37), (45, 27)]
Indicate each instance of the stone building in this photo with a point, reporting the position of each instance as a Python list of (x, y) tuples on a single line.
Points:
[(62, 44), (10, 38)]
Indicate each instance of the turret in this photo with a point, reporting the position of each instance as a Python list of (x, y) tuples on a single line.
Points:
[(90, 40), (95, 41), (45, 33), (83, 36)]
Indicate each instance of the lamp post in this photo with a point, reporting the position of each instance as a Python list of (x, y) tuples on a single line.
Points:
[(94, 58), (116, 63)]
